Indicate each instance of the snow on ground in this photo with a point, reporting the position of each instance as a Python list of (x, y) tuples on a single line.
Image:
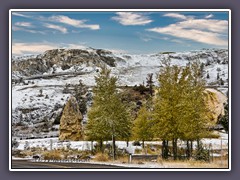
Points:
[(221, 142), (54, 143), (22, 98), (22, 58), (215, 69), (132, 165)]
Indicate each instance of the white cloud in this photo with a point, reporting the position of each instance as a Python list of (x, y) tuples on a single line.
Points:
[(118, 51), (208, 31), (176, 15), (209, 16), (177, 41), (17, 28), (192, 34), (20, 14), (76, 31), (40, 47), (19, 48), (130, 18), (56, 27), (73, 46), (74, 22), (165, 38), (24, 24), (31, 48), (205, 24), (148, 37), (145, 38)]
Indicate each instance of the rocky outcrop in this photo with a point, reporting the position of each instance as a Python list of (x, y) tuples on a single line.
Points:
[(63, 59), (70, 122), (215, 101)]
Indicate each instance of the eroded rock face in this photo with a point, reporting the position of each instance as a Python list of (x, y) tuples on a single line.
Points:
[(215, 101), (70, 122), (63, 59)]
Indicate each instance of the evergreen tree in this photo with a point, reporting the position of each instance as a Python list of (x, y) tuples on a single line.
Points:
[(224, 120), (142, 129), (208, 76), (195, 121), (166, 113), (15, 143), (108, 118), (66, 89), (150, 83), (180, 111), (221, 82), (202, 68)]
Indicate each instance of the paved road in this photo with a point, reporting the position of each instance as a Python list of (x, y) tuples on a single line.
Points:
[(24, 164)]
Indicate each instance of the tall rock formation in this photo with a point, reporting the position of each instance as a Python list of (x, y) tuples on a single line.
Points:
[(70, 122)]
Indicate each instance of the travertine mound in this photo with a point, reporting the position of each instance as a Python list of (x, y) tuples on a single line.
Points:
[(70, 122), (215, 101)]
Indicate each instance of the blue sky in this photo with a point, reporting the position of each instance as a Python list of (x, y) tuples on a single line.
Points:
[(127, 32)]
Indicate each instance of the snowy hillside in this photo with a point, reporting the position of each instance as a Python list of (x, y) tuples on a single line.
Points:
[(131, 69), (22, 58), (38, 81)]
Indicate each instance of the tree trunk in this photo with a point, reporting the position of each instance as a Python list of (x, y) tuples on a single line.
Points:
[(143, 145), (198, 144), (92, 147), (174, 144), (114, 147), (101, 146), (165, 149), (191, 148), (188, 150)]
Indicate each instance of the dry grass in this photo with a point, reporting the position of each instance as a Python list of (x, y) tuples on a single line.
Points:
[(101, 157), (216, 163), (22, 154), (123, 159), (52, 155), (58, 154)]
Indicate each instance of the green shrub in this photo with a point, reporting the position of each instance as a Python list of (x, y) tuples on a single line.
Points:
[(223, 119), (202, 153), (141, 88)]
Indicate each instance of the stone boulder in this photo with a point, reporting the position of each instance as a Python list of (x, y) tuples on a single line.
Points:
[(215, 101), (70, 122)]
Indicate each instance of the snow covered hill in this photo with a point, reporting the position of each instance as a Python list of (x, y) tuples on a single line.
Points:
[(38, 81), (131, 69)]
